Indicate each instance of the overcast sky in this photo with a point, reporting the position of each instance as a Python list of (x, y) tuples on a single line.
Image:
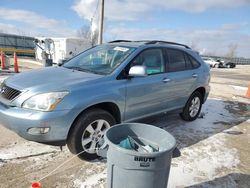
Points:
[(211, 26)]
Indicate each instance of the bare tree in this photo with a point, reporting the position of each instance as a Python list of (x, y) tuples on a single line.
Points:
[(84, 32), (94, 38), (90, 37), (232, 49)]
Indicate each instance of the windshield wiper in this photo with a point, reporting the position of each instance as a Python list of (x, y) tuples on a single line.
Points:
[(82, 69)]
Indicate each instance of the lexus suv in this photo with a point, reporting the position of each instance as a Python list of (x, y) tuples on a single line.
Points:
[(120, 81)]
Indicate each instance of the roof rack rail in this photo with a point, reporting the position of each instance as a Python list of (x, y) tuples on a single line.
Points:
[(173, 43), (119, 41)]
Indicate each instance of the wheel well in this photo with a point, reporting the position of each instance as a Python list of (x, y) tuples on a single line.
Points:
[(108, 106), (202, 91)]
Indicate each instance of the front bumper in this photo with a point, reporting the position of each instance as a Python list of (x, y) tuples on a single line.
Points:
[(20, 120)]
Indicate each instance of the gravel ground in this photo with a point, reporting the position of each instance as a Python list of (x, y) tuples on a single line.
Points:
[(214, 148)]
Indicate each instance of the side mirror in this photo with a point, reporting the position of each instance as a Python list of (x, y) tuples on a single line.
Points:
[(62, 62), (137, 71)]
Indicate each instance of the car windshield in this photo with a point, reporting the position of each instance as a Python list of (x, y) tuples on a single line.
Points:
[(102, 59)]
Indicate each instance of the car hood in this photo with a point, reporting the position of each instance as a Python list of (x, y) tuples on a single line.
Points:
[(50, 78)]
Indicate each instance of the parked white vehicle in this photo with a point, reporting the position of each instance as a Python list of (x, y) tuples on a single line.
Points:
[(210, 61), (62, 48)]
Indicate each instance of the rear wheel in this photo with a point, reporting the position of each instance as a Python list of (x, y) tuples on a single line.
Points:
[(193, 107), (88, 131)]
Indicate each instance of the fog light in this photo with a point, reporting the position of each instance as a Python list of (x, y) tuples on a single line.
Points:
[(38, 130)]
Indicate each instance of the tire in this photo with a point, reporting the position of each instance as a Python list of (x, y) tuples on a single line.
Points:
[(216, 66), (228, 66), (86, 128), (188, 115)]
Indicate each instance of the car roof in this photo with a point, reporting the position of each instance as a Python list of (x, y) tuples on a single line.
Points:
[(151, 43)]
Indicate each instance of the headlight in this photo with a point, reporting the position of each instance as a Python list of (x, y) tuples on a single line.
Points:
[(2, 81), (44, 102)]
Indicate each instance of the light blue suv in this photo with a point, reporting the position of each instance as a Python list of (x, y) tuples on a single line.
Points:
[(121, 81)]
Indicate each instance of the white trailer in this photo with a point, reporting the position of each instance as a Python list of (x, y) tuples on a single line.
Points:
[(62, 48)]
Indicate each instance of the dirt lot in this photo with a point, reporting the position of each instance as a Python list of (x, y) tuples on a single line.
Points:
[(215, 149)]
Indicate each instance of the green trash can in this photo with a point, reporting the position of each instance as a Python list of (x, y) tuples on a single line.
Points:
[(138, 156)]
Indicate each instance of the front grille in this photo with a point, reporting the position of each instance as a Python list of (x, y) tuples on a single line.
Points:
[(8, 92)]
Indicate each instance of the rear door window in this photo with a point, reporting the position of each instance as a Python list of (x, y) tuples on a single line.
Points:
[(180, 61), (176, 60)]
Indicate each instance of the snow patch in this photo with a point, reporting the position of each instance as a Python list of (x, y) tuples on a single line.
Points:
[(202, 144), (202, 161), (91, 181), (22, 150), (239, 88), (214, 119)]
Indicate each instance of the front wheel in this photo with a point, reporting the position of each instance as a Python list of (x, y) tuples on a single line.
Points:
[(192, 108), (88, 130)]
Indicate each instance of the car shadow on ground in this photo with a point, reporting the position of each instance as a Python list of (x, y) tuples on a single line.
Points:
[(231, 180), (216, 116)]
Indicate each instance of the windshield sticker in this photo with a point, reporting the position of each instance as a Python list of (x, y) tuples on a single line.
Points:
[(122, 49)]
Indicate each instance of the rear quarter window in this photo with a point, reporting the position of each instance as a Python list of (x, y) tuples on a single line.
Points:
[(194, 62)]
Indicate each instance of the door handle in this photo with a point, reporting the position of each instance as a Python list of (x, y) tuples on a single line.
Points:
[(165, 80), (194, 75)]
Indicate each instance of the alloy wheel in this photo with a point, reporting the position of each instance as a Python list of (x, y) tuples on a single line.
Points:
[(93, 134), (195, 106)]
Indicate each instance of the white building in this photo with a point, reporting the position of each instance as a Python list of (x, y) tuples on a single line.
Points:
[(61, 48)]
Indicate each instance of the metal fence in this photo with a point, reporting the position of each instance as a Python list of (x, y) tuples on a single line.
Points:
[(23, 45)]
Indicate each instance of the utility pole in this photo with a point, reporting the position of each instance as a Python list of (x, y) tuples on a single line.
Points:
[(101, 17)]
